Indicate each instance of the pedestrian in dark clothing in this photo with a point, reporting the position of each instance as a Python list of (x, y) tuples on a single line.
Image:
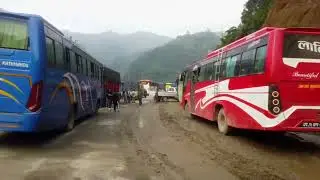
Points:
[(127, 96), (115, 101), (140, 94), (109, 97)]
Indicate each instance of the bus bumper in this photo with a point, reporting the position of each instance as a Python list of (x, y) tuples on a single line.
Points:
[(300, 121), (19, 122)]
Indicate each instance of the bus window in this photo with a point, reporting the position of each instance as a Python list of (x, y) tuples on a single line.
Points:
[(50, 52), (217, 70), (201, 74), (214, 71), (67, 59), (223, 67), (85, 65), (232, 66), (260, 59), (78, 65), (208, 74), (98, 74), (96, 71), (59, 55), (81, 65), (13, 34), (247, 62), (89, 67), (74, 65), (229, 69), (92, 69)]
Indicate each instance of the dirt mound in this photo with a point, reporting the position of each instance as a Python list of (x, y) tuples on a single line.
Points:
[(294, 13)]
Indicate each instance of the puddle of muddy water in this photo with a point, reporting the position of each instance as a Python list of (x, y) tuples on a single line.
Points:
[(109, 123), (98, 165)]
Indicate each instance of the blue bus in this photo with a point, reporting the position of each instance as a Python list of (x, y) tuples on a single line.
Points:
[(47, 82)]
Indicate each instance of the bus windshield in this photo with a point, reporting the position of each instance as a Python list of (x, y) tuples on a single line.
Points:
[(13, 34)]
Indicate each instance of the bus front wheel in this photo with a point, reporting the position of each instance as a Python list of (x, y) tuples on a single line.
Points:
[(223, 126)]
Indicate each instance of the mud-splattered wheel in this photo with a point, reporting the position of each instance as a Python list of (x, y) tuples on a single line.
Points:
[(71, 121), (223, 126)]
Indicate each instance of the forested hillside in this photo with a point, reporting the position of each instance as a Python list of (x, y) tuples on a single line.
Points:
[(274, 13), (118, 50), (163, 63), (294, 13), (253, 17)]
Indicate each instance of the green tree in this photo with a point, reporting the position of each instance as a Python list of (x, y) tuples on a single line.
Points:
[(230, 35), (253, 17)]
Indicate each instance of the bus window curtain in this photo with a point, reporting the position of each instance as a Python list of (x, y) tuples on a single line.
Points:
[(13, 34)]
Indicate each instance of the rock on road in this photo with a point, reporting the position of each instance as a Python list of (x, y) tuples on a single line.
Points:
[(156, 141)]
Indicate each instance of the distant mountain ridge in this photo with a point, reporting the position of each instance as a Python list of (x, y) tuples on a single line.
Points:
[(116, 50), (164, 62)]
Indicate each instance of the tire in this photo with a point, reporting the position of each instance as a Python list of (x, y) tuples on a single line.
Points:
[(223, 125), (71, 121), (165, 99)]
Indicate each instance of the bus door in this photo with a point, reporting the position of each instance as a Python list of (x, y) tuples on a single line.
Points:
[(194, 78), (181, 86), (216, 74)]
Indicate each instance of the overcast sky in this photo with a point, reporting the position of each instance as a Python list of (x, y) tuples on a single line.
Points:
[(164, 17)]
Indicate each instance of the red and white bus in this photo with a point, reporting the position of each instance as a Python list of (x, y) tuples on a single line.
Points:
[(268, 80)]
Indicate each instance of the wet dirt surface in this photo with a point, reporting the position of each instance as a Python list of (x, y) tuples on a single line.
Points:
[(156, 141)]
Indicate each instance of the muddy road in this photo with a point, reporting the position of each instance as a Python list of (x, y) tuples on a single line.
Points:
[(156, 141)]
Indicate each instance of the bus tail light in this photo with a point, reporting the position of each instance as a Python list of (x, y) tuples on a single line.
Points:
[(274, 100), (34, 102)]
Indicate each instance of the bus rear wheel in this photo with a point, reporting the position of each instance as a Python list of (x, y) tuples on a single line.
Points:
[(223, 126), (71, 121)]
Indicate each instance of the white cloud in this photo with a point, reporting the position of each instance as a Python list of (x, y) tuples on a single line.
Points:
[(166, 17)]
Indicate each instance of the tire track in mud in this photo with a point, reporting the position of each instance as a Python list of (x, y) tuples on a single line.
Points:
[(158, 162), (137, 159), (238, 165)]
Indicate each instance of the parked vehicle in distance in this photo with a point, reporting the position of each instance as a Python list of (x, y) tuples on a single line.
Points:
[(268, 81), (149, 86), (47, 81), (165, 95), (172, 90)]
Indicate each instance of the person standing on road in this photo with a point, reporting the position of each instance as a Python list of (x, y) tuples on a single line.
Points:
[(140, 94), (128, 97), (115, 101), (124, 96), (109, 96)]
